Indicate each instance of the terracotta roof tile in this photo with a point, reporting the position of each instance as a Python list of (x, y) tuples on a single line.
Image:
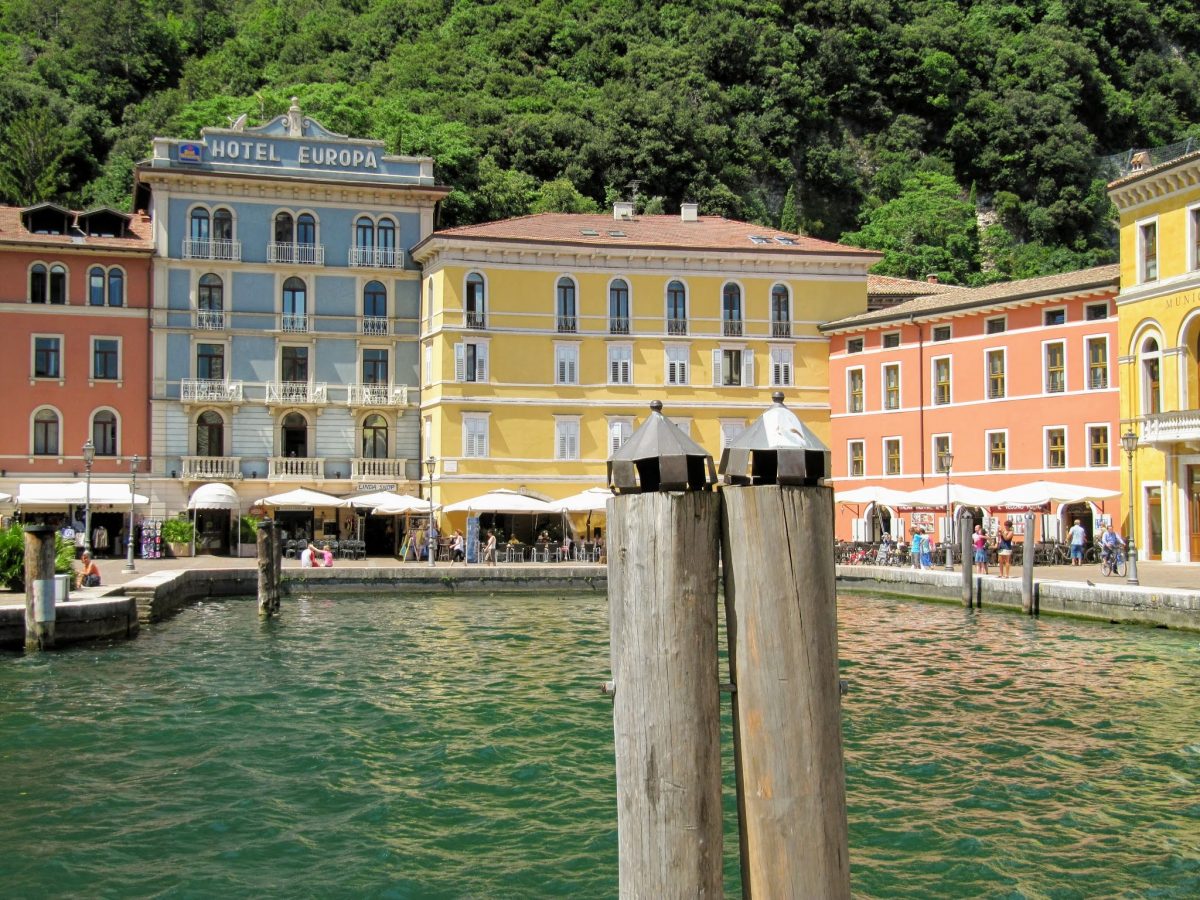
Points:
[(895, 287), (602, 230), (13, 231), (990, 295)]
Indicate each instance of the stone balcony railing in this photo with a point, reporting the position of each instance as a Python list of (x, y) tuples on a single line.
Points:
[(300, 254), (372, 258), (200, 390), (374, 325), (1180, 427), (293, 322), (363, 469), (224, 250), (210, 319), (377, 395), (212, 468), (296, 393), (296, 468)]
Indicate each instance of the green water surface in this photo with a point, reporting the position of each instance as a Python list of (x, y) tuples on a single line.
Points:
[(459, 747)]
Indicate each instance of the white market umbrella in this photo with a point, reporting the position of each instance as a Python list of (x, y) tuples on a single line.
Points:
[(884, 496), (960, 495), (502, 500), (379, 498), (1039, 493), (303, 497), (60, 493), (399, 504), (5, 497), (592, 500)]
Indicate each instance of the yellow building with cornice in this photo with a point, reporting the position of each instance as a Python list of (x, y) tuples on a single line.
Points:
[(544, 338), (1159, 338)]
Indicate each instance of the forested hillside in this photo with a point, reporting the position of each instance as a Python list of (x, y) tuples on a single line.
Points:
[(963, 138)]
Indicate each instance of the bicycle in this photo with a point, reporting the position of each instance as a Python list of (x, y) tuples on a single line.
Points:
[(1112, 562)]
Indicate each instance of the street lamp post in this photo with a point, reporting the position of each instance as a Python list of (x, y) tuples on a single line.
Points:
[(133, 467), (89, 456), (430, 465), (1129, 442), (947, 459)]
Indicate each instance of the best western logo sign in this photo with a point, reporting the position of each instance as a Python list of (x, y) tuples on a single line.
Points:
[(313, 156)]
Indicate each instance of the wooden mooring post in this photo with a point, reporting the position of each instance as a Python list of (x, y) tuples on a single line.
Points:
[(968, 560), (268, 568), (39, 587), (663, 548), (1028, 551), (781, 620)]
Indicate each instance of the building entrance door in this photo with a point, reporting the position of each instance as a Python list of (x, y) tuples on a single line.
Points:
[(1193, 497), (1154, 521)]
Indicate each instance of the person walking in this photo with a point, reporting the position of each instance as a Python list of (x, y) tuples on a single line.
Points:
[(926, 551), (979, 543), (458, 546), (914, 550), (1077, 537), (489, 549), (1004, 554)]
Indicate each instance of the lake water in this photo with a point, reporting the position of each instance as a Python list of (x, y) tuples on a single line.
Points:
[(459, 747)]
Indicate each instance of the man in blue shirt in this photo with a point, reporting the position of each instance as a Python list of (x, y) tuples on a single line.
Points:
[(1077, 536)]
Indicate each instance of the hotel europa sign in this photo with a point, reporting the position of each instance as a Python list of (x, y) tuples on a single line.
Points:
[(284, 154)]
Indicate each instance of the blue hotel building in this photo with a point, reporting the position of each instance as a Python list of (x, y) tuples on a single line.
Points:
[(284, 328)]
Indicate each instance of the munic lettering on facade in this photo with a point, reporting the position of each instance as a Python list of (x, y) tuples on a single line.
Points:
[(231, 149)]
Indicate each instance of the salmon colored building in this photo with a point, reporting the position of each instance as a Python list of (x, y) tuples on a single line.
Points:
[(1017, 381), (74, 337)]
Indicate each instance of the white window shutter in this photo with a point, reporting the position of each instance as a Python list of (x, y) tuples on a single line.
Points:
[(560, 373), (716, 356), (481, 362), (748, 368), (683, 372), (572, 374), (614, 437), (626, 371), (459, 355)]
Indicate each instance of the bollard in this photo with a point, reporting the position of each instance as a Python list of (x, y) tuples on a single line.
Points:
[(267, 600), (968, 561), (1027, 554), (781, 619), (663, 547), (39, 587), (1131, 556)]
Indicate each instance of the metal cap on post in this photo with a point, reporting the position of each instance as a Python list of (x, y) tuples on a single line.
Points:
[(777, 449), (660, 457)]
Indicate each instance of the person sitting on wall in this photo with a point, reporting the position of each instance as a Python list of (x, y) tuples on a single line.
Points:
[(326, 555), (89, 576), (306, 557)]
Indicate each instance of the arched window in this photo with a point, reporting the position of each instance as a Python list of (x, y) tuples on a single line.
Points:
[(45, 433), (116, 287), (731, 310), (618, 307), (104, 432), (476, 302), (293, 438), (781, 312), (1151, 377), (385, 242), (375, 437), (95, 286), (210, 434), (211, 294), (222, 225), (37, 284), (295, 305), (199, 230), (284, 230), (566, 305), (375, 301), (364, 234), (676, 308), (306, 229), (58, 284)]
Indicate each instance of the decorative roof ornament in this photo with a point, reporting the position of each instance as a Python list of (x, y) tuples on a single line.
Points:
[(660, 457), (777, 449), (295, 119)]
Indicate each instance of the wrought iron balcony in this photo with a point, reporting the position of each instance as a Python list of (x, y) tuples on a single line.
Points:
[(568, 324), (1180, 427), (296, 393), (363, 468), (210, 319), (1098, 381), (374, 325), (230, 251), (299, 254), (996, 391), (202, 390), (475, 319), (212, 468), (731, 328), (295, 468), (677, 326), (293, 323), (618, 325), (373, 258), (781, 329), (377, 395)]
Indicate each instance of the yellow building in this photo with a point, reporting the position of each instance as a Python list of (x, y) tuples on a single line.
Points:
[(1159, 338), (544, 338)]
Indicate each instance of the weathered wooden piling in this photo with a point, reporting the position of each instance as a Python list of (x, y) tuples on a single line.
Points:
[(1027, 554), (968, 560), (39, 587), (781, 621), (663, 548), (268, 578)]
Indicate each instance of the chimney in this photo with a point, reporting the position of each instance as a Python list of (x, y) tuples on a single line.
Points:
[(689, 212), (932, 279), (623, 209)]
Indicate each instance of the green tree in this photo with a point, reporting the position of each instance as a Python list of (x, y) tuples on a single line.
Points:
[(788, 220), (563, 197), (32, 154)]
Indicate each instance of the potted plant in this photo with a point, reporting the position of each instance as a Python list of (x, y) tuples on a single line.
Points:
[(177, 534), (12, 557), (248, 530)]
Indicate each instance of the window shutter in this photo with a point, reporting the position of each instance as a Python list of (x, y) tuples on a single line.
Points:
[(716, 356), (681, 368), (481, 363), (562, 440), (748, 368), (614, 437), (560, 368), (626, 370), (459, 369), (572, 375)]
